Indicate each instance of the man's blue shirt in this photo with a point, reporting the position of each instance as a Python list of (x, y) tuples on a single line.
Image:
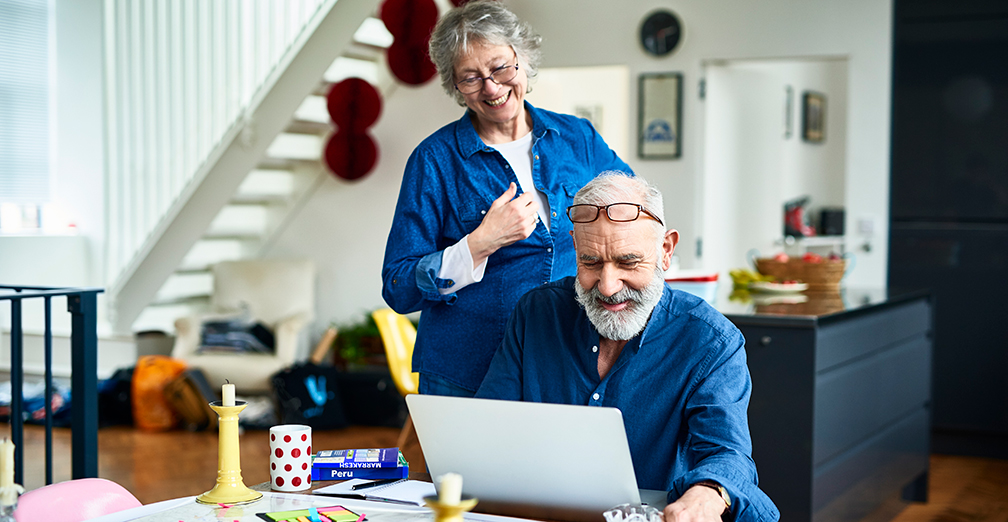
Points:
[(451, 179), (682, 385)]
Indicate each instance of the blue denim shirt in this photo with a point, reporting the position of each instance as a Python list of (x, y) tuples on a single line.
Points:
[(450, 181), (682, 386)]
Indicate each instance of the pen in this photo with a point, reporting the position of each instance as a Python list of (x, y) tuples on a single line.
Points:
[(381, 482)]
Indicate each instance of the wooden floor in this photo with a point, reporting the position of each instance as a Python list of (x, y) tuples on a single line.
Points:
[(159, 466), (162, 465)]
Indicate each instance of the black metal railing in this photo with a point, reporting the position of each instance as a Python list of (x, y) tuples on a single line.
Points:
[(82, 304)]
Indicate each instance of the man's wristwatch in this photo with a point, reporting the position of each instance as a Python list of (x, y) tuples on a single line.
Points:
[(721, 491)]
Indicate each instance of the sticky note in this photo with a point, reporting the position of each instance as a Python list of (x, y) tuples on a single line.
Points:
[(327, 514)]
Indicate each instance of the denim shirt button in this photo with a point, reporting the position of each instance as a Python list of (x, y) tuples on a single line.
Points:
[(483, 212), (549, 249), (594, 349), (596, 396), (554, 214)]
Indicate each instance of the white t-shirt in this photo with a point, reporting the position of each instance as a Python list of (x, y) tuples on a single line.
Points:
[(456, 260)]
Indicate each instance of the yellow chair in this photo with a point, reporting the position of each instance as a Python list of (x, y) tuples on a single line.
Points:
[(399, 335)]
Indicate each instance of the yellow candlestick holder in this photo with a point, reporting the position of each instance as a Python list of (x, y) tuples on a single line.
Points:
[(450, 512), (229, 489)]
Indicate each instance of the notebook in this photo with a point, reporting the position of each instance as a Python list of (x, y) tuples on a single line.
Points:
[(520, 457), (407, 492)]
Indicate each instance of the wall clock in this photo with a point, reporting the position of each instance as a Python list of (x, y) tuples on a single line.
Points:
[(660, 32)]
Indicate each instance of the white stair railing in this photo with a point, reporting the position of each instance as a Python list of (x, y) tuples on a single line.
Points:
[(181, 75)]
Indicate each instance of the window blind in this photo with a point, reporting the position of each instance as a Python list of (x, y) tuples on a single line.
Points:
[(24, 101)]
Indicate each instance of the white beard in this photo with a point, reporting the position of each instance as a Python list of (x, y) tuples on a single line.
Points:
[(624, 324)]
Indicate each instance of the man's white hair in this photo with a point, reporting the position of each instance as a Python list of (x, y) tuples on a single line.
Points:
[(616, 186)]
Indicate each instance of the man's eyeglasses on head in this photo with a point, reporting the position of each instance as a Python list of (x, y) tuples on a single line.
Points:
[(502, 74), (617, 212)]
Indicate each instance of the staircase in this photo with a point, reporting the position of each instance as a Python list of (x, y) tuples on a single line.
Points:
[(253, 182)]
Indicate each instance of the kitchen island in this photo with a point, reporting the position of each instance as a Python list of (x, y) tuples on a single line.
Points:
[(841, 401)]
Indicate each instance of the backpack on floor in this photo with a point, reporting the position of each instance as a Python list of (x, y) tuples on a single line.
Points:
[(308, 394), (190, 396)]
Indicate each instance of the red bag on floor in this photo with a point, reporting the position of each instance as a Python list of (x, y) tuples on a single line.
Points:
[(151, 411)]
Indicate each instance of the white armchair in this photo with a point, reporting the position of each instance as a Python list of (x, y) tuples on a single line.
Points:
[(280, 294)]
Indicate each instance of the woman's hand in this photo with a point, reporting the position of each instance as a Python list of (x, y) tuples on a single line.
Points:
[(509, 220)]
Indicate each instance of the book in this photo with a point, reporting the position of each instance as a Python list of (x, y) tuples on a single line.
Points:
[(360, 458), (326, 473), (406, 492), (371, 463)]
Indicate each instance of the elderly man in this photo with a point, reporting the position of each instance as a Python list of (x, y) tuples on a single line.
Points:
[(615, 335)]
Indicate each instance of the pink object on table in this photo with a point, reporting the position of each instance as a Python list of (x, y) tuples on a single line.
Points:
[(74, 501)]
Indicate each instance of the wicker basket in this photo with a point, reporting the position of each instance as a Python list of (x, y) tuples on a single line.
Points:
[(825, 275)]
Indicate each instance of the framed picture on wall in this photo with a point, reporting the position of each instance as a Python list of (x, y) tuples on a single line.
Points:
[(659, 128), (813, 117)]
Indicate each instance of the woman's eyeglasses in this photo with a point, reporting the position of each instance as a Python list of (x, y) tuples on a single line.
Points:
[(502, 74)]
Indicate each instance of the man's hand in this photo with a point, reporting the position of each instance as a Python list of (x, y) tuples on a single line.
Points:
[(698, 504), (509, 220)]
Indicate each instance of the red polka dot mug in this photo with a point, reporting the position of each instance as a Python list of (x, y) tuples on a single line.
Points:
[(290, 457)]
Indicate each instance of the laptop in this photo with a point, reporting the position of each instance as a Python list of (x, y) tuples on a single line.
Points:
[(530, 459)]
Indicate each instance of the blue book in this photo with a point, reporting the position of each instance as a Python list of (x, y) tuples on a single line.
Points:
[(324, 473), (372, 463)]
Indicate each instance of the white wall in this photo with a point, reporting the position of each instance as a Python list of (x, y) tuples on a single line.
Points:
[(602, 92), (78, 146), (345, 225)]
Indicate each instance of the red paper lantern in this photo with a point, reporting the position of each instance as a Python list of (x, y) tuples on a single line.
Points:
[(351, 155), (410, 21), (410, 63), (354, 105)]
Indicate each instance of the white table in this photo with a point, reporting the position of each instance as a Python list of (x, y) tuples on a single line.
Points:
[(188, 510)]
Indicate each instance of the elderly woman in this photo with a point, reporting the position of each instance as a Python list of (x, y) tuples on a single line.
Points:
[(479, 219)]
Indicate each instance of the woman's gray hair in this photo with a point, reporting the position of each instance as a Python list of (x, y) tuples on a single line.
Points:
[(615, 186), (481, 21)]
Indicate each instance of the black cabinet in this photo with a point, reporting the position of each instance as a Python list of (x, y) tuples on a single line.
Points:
[(840, 407), (949, 212)]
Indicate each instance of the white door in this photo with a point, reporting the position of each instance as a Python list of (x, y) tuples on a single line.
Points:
[(751, 165)]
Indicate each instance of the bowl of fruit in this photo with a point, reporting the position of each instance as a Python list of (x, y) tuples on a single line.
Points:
[(816, 271)]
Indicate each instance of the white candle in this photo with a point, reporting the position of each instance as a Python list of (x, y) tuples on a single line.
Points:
[(6, 463), (228, 394), (450, 489)]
